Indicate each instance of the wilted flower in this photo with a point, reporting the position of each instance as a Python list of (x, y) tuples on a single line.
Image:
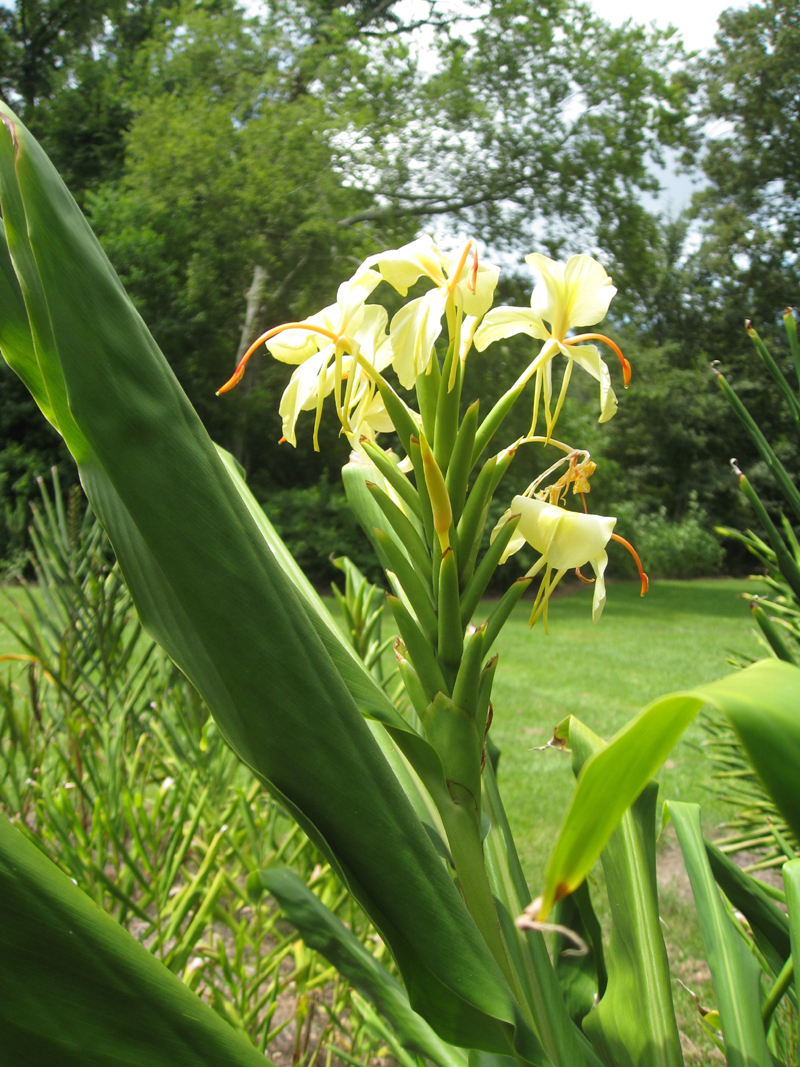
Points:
[(458, 290), (575, 293)]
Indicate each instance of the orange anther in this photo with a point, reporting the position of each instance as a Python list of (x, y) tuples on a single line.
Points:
[(644, 579), (236, 377), (626, 367)]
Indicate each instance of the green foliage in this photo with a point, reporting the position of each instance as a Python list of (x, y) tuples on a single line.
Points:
[(750, 89), (400, 801), (106, 749), (316, 522), (683, 549)]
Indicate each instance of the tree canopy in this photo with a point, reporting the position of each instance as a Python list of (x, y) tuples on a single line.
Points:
[(237, 164)]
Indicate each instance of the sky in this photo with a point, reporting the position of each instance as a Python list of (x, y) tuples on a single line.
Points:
[(696, 20)]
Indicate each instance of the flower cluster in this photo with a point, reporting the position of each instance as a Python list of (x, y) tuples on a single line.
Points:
[(345, 349)]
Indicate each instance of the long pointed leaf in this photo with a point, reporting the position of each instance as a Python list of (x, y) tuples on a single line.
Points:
[(76, 989), (734, 968), (208, 588)]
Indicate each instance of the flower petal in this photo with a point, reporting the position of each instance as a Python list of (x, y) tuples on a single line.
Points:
[(548, 297), (517, 539), (479, 302), (575, 293), (504, 322), (402, 267), (371, 334), (301, 392), (589, 291), (599, 598), (295, 346), (351, 296), (567, 539), (414, 330), (588, 357)]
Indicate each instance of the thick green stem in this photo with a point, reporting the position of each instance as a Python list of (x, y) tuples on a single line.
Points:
[(462, 826)]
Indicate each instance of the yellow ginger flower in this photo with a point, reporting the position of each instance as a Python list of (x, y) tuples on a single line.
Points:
[(327, 348), (566, 540), (568, 295), (458, 290)]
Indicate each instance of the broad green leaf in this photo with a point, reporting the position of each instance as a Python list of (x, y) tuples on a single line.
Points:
[(634, 1022), (77, 989), (734, 968), (210, 590), (763, 697), (324, 932)]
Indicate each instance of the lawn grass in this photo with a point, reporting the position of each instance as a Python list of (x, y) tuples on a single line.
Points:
[(674, 638)]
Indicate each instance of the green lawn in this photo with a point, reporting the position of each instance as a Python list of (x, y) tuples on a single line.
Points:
[(675, 637)]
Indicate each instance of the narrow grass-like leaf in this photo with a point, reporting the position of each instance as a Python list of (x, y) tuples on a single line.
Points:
[(734, 968), (75, 988), (324, 932), (791, 883)]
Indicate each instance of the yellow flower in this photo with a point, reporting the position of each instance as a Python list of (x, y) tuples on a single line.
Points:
[(571, 294), (457, 290), (566, 540), (340, 334)]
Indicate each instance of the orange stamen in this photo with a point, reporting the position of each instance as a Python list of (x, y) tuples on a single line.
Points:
[(282, 441), (586, 581), (634, 553), (583, 501), (626, 367), (453, 281), (237, 375)]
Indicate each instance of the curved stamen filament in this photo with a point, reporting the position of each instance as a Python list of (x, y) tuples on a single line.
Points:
[(586, 581), (236, 377), (453, 280), (626, 544), (473, 280), (541, 440), (626, 367)]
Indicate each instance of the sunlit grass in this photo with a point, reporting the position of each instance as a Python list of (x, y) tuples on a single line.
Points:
[(676, 637)]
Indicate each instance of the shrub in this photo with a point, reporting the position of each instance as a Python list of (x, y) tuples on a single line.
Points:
[(685, 548)]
